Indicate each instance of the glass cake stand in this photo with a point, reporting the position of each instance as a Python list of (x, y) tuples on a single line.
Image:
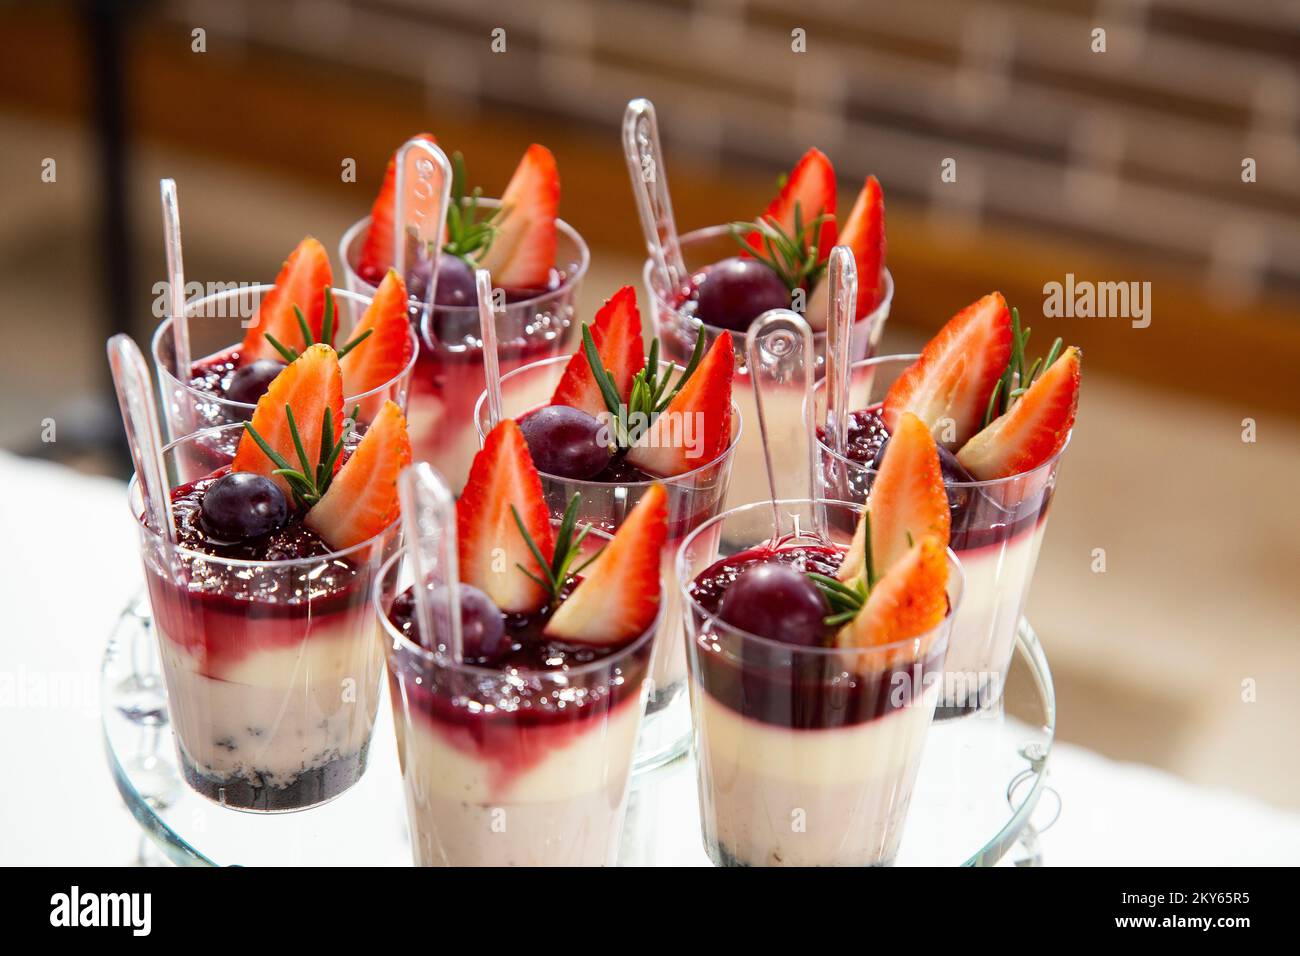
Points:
[(976, 802)]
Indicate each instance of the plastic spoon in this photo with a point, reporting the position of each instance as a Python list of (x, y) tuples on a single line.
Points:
[(779, 355), (645, 164), (171, 219), (140, 418), (423, 189), (487, 321), (429, 526), (842, 274)]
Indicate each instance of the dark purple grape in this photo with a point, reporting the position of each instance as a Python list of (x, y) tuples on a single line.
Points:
[(777, 602), (482, 628), (250, 382), (243, 505), (566, 442), (953, 472), (734, 292), (455, 283)]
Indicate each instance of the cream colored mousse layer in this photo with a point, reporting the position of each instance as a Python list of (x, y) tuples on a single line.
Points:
[(773, 796), (565, 810), (277, 712), (984, 628)]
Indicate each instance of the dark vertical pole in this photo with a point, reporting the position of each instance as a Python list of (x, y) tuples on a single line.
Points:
[(105, 35)]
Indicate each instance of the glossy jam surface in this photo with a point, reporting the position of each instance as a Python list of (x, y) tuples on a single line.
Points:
[(525, 647), (982, 515), (710, 586), (212, 374), (783, 685)]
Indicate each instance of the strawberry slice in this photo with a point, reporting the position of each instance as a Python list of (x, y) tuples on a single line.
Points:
[(617, 334), (618, 597), (907, 499), (383, 354), (949, 386), (377, 250), (908, 601), (309, 385), (523, 251), (695, 428), (491, 547), (302, 281), (811, 184), (362, 501), (1033, 430), (864, 233)]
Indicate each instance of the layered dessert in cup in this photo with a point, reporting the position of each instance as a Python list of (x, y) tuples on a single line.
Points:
[(260, 603), (733, 273), (815, 666), (608, 437), (1002, 425), (271, 325), (516, 749), (537, 261)]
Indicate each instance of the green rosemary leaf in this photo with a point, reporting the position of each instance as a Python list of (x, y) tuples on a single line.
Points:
[(1053, 353), (835, 620), (604, 382), (833, 584), (327, 327), (540, 583), (326, 441), (276, 458), (297, 440), (536, 552), (288, 354), (586, 564), (696, 355), (868, 561), (355, 342), (302, 324)]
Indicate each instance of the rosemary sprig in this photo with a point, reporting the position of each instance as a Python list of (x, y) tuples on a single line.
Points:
[(327, 332), (1016, 378), (568, 545), (650, 393), (847, 598), (468, 235), (309, 482), (791, 255)]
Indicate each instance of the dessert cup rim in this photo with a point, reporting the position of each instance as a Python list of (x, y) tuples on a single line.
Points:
[(261, 289), (694, 606), (984, 483), (730, 450), (570, 281), (715, 231), (439, 659), (132, 490)]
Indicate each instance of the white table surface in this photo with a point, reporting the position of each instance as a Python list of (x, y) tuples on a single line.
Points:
[(69, 564)]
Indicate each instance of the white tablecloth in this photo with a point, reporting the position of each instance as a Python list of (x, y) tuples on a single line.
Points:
[(69, 565)]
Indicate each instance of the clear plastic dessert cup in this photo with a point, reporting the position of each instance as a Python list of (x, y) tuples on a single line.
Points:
[(272, 668), (534, 324), (677, 330), (512, 767), (806, 756), (217, 320), (997, 530), (693, 497)]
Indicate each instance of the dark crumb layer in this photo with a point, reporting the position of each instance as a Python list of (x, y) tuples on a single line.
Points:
[(309, 788)]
